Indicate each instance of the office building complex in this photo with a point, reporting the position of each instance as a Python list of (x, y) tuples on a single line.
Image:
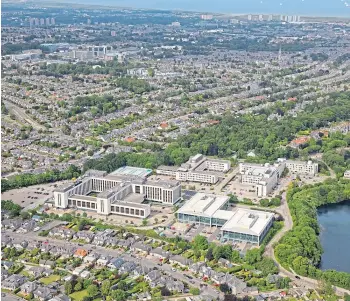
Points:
[(197, 169), (122, 192), (264, 177), (237, 225), (302, 167)]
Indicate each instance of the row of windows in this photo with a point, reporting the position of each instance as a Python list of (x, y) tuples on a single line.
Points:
[(131, 211), (81, 204)]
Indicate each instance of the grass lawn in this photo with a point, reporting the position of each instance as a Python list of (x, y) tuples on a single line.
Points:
[(78, 296), (50, 279), (25, 273)]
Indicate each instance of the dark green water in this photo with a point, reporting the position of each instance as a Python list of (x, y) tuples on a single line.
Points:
[(334, 221)]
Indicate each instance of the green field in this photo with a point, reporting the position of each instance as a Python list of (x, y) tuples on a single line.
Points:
[(50, 279), (78, 296)]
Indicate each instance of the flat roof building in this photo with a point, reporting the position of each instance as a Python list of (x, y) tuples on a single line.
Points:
[(198, 169), (117, 193), (239, 224)]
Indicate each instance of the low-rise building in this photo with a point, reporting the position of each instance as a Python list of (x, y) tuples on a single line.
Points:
[(237, 225), (198, 169)]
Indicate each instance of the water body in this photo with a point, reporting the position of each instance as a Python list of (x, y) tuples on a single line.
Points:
[(334, 221), (340, 8)]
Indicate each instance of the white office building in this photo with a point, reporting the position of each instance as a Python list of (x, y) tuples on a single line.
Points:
[(302, 167), (117, 193), (237, 225), (197, 169), (262, 177)]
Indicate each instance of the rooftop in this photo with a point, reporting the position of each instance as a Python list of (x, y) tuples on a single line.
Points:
[(132, 171), (247, 221), (203, 204)]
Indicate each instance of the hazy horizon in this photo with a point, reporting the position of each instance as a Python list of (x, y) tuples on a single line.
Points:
[(330, 8)]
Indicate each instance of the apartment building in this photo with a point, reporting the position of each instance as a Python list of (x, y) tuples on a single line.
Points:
[(115, 193), (198, 169)]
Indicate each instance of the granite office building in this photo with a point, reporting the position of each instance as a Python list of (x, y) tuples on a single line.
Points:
[(120, 192)]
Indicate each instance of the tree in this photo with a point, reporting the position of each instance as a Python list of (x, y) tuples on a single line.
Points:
[(118, 295), (224, 288), (252, 256), (164, 291), (144, 222), (194, 291), (150, 72), (78, 287), (92, 290), (25, 215), (200, 243), (105, 287), (68, 288)]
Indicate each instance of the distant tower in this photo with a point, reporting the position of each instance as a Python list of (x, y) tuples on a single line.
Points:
[(52, 21), (249, 17), (89, 21), (47, 21), (37, 22), (42, 21), (31, 23)]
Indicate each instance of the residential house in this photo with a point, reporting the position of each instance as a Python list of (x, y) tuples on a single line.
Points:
[(299, 142), (140, 247), (62, 232), (174, 286), (20, 244), (111, 242), (218, 277), (225, 263), (85, 274), (103, 260), (127, 267), (28, 287), (236, 285), (47, 263), (11, 224), (116, 263), (194, 268), (80, 253), (27, 226), (91, 257), (43, 293), (180, 260), (153, 276), (6, 241), (37, 272), (61, 297), (33, 245), (7, 264), (272, 278), (160, 253), (64, 252), (84, 235), (4, 274), (141, 270), (13, 282)]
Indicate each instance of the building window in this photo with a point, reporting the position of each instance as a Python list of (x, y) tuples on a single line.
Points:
[(79, 203)]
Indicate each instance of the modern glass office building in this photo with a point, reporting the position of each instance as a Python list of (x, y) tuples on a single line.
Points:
[(237, 225)]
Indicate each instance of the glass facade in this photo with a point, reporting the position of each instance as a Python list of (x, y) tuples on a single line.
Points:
[(240, 236)]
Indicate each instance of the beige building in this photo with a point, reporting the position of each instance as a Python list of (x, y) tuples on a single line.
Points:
[(120, 194)]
